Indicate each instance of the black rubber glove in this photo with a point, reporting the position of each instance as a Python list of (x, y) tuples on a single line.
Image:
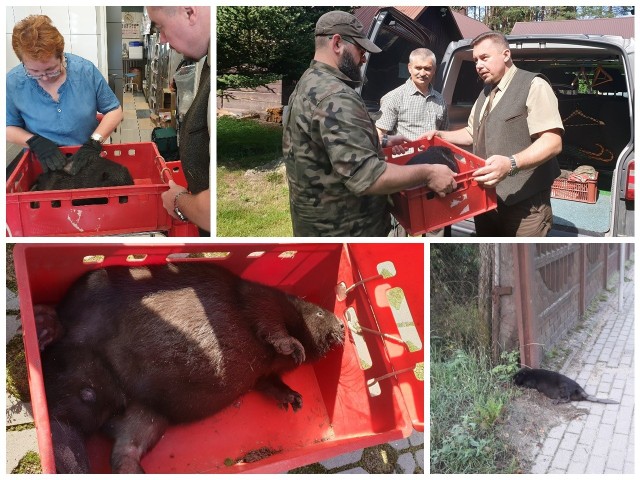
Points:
[(47, 152), (88, 151)]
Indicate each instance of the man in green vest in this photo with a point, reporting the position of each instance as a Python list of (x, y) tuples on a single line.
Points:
[(516, 126)]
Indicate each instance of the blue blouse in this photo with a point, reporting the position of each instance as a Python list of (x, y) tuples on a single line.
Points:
[(72, 119)]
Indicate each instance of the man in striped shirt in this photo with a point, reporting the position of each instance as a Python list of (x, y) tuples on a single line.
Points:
[(413, 108)]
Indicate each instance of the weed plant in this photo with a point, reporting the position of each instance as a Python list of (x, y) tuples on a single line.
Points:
[(467, 401)]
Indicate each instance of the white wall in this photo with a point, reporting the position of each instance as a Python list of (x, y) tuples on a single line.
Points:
[(80, 26)]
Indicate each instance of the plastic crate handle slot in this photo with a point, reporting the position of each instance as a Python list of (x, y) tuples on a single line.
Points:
[(385, 270), (373, 384), (160, 163)]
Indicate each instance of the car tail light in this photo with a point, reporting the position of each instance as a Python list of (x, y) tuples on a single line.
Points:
[(631, 182)]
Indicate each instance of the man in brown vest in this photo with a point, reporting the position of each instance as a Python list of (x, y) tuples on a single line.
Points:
[(188, 31), (516, 126)]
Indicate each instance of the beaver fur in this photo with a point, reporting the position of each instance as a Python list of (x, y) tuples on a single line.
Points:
[(151, 346), (554, 385), (436, 155)]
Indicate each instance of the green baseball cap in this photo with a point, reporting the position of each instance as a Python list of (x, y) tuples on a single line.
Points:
[(345, 24)]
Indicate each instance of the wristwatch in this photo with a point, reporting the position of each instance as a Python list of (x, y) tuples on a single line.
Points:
[(514, 166), (97, 137), (176, 209), (385, 140)]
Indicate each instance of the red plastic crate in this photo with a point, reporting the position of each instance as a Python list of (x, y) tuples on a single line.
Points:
[(565, 189), (128, 209), (419, 210), (340, 414)]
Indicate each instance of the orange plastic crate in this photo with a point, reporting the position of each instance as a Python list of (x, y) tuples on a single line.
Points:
[(127, 209), (565, 189), (419, 210), (340, 412)]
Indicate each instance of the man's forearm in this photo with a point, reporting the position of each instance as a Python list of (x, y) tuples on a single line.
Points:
[(546, 146), (401, 177), (197, 208), (457, 137)]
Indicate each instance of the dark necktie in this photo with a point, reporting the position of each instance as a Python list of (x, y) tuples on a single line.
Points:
[(480, 141)]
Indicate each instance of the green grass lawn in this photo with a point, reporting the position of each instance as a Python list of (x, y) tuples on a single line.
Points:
[(250, 203)]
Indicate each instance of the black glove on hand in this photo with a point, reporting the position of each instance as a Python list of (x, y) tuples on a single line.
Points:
[(47, 152), (88, 151)]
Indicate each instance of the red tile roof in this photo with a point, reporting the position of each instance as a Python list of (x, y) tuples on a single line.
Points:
[(469, 28), (622, 26)]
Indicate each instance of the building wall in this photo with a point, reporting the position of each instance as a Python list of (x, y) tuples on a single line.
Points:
[(81, 28)]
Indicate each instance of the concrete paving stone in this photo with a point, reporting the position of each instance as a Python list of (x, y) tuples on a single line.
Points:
[(588, 436), (401, 444), (624, 420), (609, 417), (576, 426), (614, 361), (606, 378), (619, 442), (357, 471), (591, 359), (596, 464), (592, 421), (21, 442), (603, 390), (597, 409), (541, 464), (550, 446), (419, 455), (569, 441), (602, 445), (615, 460), (628, 468), (603, 440), (12, 326), (561, 459), (630, 449), (407, 463), (17, 412), (557, 431), (580, 455), (13, 303), (576, 467), (342, 460), (616, 394), (416, 438)]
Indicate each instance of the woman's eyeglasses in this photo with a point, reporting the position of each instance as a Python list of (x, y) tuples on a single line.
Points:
[(42, 76)]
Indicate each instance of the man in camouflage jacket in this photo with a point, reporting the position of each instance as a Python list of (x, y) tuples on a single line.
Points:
[(337, 174)]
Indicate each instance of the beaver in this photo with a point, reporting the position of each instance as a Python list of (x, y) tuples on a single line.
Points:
[(98, 172), (147, 347), (554, 385), (436, 155)]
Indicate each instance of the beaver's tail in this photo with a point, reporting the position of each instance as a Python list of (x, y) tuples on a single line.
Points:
[(591, 398)]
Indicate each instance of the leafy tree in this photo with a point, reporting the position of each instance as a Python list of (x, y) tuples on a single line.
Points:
[(257, 45), (504, 18), (601, 11)]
